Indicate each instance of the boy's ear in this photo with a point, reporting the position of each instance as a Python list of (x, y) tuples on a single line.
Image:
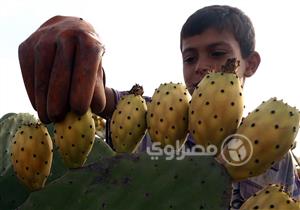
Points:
[(252, 63)]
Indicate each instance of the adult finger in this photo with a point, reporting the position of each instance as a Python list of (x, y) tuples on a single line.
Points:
[(26, 60), (44, 56), (59, 86), (88, 56), (99, 98)]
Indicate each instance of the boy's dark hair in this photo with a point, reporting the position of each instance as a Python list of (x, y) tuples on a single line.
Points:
[(222, 17)]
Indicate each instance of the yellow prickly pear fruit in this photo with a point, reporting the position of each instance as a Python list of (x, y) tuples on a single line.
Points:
[(31, 155), (167, 116), (271, 197), (128, 123), (99, 125), (271, 130), (74, 137), (216, 107)]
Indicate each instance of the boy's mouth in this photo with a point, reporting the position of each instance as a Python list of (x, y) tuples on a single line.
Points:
[(192, 87)]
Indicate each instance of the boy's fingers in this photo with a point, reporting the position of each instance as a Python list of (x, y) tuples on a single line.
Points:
[(26, 60), (59, 85), (88, 56), (99, 98), (44, 56)]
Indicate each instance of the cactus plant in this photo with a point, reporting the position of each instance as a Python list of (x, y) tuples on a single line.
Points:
[(119, 183), (271, 130), (32, 154), (271, 197), (128, 123), (74, 137), (8, 126), (167, 116), (13, 193), (217, 105)]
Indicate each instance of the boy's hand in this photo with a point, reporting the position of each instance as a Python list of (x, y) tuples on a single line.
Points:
[(61, 68)]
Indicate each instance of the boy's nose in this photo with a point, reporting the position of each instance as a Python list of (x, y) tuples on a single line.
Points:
[(203, 68)]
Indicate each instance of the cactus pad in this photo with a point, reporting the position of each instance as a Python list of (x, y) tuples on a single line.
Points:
[(135, 182)]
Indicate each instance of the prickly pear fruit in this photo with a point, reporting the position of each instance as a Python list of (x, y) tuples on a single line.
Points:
[(217, 106), (9, 125), (271, 197), (167, 116), (31, 155), (74, 137), (128, 123), (271, 130), (99, 125)]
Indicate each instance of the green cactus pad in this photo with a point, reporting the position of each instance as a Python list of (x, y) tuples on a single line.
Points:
[(7, 116), (12, 192), (135, 182)]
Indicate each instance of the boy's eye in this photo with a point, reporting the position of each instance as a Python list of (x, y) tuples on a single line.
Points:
[(218, 53), (189, 59)]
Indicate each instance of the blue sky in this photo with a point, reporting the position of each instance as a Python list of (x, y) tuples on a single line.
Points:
[(142, 44)]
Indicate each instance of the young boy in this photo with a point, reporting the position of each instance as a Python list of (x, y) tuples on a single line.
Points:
[(208, 38)]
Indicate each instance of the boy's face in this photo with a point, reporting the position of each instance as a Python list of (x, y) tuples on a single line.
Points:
[(209, 50)]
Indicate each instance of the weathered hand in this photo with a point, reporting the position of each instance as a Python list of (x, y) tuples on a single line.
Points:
[(61, 68)]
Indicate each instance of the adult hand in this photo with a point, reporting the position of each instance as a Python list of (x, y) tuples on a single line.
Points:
[(61, 68)]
